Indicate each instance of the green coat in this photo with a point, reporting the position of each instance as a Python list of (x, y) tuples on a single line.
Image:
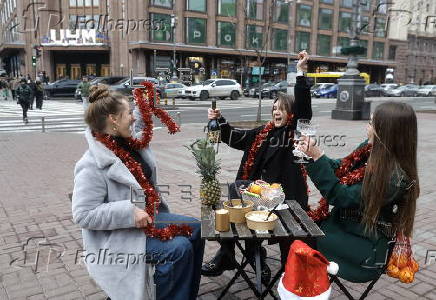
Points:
[(345, 241)]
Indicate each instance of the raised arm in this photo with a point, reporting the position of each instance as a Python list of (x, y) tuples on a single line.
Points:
[(303, 100)]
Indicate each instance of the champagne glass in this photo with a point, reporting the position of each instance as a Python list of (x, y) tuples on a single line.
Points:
[(304, 128)]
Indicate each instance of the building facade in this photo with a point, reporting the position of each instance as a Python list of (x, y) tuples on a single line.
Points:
[(222, 38), (415, 23)]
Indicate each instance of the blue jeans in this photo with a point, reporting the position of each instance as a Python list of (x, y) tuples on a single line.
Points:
[(178, 260)]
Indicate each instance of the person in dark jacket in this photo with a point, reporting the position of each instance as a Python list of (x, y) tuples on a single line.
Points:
[(32, 86), (380, 199), (39, 94), (273, 162), (24, 95)]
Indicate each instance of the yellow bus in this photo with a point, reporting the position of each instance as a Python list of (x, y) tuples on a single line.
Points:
[(332, 77)]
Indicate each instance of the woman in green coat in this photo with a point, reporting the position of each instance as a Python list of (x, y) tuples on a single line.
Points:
[(373, 192)]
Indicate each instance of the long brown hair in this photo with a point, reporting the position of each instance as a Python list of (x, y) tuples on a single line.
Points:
[(394, 146)]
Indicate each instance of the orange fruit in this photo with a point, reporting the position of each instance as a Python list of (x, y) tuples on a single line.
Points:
[(402, 262), (276, 185), (393, 271), (414, 266), (256, 189), (406, 275)]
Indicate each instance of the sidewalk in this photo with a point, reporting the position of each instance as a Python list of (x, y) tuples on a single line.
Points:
[(37, 175)]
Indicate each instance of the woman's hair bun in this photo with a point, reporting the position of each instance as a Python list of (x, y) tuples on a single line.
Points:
[(98, 92)]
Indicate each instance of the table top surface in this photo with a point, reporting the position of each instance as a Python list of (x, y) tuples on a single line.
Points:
[(292, 223)]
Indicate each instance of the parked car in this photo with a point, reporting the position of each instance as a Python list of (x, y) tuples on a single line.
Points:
[(328, 92), (62, 87), (124, 88), (174, 90), (104, 80), (427, 91), (319, 86), (388, 86), (408, 90), (373, 90), (266, 88), (281, 86), (221, 88)]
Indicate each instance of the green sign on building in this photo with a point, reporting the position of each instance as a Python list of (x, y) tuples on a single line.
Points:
[(196, 30), (226, 34)]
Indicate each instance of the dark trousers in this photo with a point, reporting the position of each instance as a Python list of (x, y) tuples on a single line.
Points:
[(32, 99), (39, 100), (25, 107)]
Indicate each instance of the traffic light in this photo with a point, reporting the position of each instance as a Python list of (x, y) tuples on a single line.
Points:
[(34, 61)]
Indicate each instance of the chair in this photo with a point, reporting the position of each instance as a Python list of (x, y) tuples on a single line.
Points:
[(380, 268)]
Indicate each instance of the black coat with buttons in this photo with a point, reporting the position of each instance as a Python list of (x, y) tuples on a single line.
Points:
[(274, 162)]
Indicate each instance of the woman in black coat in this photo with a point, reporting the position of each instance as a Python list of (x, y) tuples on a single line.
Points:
[(272, 161)]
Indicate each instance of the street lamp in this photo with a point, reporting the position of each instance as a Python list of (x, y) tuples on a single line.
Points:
[(173, 30)]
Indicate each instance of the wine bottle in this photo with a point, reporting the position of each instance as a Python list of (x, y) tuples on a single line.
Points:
[(213, 128)]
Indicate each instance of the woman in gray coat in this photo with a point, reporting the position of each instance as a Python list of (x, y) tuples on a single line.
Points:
[(116, 247)]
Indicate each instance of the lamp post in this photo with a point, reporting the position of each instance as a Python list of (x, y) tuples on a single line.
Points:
[(173, 31), (350, 103)]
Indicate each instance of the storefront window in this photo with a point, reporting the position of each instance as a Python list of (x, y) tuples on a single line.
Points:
[(343, 42), (255, 9), (364, 44), (196, 5), (365, 4), (302, 41), (347, 3), (382, 6), (227, 8), (280, 39), (226, 34), (325, 18), (161, 29), (364, 25), (281, 11), (378, 50), (254, 37), (163, 3), (324, 45), (195, 30), (345, 21), (380, 27), (327, 1), (304, 15)]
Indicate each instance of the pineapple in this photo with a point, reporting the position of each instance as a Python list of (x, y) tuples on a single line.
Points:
[(208, 168)]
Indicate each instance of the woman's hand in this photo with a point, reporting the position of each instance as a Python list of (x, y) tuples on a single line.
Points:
[(213, 114), (309, 147), (303, 57), (142, 219)]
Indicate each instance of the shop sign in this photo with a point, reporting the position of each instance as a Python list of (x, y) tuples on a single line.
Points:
[(78, 37), (258, 71)]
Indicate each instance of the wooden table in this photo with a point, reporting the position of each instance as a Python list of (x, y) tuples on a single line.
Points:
[(293, 223)]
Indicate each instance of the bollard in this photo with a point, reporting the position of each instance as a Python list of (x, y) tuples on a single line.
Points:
[(43, 123), (179, 117), (166, 101), (174, 101)]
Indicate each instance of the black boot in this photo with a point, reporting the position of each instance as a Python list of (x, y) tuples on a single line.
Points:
[(223, 260)]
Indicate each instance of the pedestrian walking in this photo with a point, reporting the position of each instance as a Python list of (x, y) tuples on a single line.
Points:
[(32, 86), (84, 91), (24, 95), (39, 94), (14, 85)]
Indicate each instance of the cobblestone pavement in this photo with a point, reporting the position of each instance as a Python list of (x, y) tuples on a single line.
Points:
[(37, 175)]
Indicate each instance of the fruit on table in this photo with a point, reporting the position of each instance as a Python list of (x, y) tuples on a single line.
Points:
[(276, 185), (255, 189)]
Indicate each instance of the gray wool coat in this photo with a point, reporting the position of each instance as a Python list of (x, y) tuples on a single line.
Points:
[(114, 249)]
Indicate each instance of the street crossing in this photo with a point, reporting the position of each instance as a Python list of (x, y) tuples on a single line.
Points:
[(54, 116)]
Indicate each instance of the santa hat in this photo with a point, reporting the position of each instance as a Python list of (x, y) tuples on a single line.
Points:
[(306, 274)]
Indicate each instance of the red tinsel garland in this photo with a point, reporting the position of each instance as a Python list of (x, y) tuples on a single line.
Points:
[(345, 175), (260, 138), (153, 199)]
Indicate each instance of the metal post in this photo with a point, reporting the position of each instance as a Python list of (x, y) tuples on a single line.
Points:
[(43, 124), (179, 117), (154, 63)]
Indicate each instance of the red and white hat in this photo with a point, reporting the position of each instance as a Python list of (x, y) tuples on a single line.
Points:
[(306, 274)]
